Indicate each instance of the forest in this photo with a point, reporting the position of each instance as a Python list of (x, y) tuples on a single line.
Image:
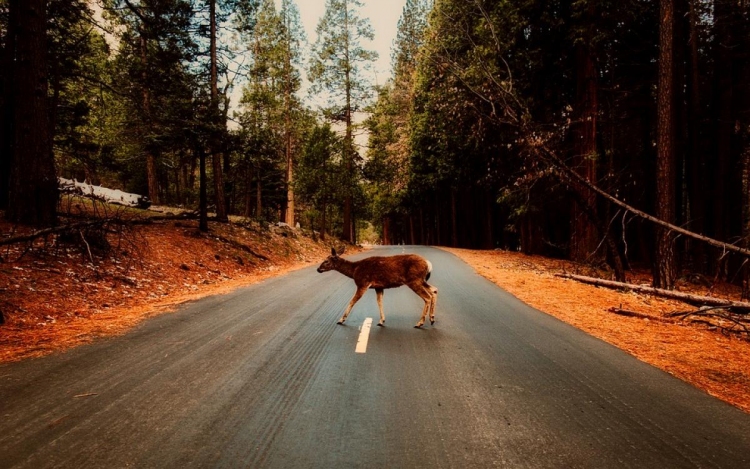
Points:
[(610, 133)]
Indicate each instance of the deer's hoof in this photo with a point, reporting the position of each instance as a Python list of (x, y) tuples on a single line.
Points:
[(340, 322), (418, 326), (381, 324), (432, 321)]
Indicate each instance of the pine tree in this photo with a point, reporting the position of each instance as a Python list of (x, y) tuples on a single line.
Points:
[(272, 111), (33, 189), (156, 47), (337, 68), (292, 37), (387, 167), (665, 271)]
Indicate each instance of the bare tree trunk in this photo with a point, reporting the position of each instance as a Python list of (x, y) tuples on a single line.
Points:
[(7, 102), (348, 139), (745, 161), (454, 221), (489, 235), (696, 165), (323, 223), (289, 180), (203, 203), (387, 231), (248, 192), (153, 181), (33, 191), (723, 44), (221, 204), (583, 240), (289, 209), (665, 269), (258, 199), (151, 177)]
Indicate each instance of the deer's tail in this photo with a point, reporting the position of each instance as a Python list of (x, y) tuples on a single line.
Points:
[(429, 270)]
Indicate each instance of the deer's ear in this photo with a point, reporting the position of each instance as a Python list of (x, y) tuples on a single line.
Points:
[(333, 251), (341, 251)]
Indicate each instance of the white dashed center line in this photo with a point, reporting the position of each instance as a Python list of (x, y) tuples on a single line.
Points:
[(364, 335)]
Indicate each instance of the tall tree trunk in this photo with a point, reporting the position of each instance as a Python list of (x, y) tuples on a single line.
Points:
[(348, 139), (725, 96), (745, 162), (387, 231), (7, 100), (221, 204), (323, 223), (743, 124), (151, 169), (488, 238), (421, 226), (411, 230), (696, 165), (248, 192), (258, 193), (454, 221), (583, 240), (203, 202), (33, 185), (665, 270), (289, 179)]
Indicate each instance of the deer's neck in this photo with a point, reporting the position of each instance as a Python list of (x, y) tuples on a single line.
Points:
[(346, 267)]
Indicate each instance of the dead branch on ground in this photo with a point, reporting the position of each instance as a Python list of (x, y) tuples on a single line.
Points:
[(727, 321), (635, 314), (697, 300), (239, 245)]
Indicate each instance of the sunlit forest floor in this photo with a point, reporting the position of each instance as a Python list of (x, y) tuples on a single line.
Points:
[(702, 356), (53, 296)]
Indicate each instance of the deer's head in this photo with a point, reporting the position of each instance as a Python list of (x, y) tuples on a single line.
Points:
[(330, 262)]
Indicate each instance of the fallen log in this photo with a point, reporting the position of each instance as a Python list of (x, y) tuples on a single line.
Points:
[(689, 298), (54, 230), (636, 314)]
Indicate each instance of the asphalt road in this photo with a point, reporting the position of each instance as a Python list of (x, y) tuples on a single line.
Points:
[(264, 377)]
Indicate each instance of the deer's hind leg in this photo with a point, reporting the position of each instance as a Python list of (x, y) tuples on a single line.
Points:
[(426, 295), (433, 302), (379, 292), (357, 295)]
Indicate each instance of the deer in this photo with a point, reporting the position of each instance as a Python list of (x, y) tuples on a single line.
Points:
[(381, 272)]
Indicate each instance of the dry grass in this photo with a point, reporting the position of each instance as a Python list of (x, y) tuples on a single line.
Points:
[(707, 359)]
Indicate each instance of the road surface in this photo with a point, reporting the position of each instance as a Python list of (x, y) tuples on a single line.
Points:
[(264, 377)]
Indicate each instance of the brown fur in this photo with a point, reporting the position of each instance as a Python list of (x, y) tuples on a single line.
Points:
[(379, 273)]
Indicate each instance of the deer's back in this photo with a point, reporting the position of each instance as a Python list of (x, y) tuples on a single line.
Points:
[(390, 271)]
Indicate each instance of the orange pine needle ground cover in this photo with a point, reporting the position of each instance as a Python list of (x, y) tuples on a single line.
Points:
[(709, 360)]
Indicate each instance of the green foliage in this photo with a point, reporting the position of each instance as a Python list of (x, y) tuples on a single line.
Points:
[(272, 115), (320, 174), (339, 60)]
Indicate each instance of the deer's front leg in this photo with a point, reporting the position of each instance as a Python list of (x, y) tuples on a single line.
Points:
[(357, 295)]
